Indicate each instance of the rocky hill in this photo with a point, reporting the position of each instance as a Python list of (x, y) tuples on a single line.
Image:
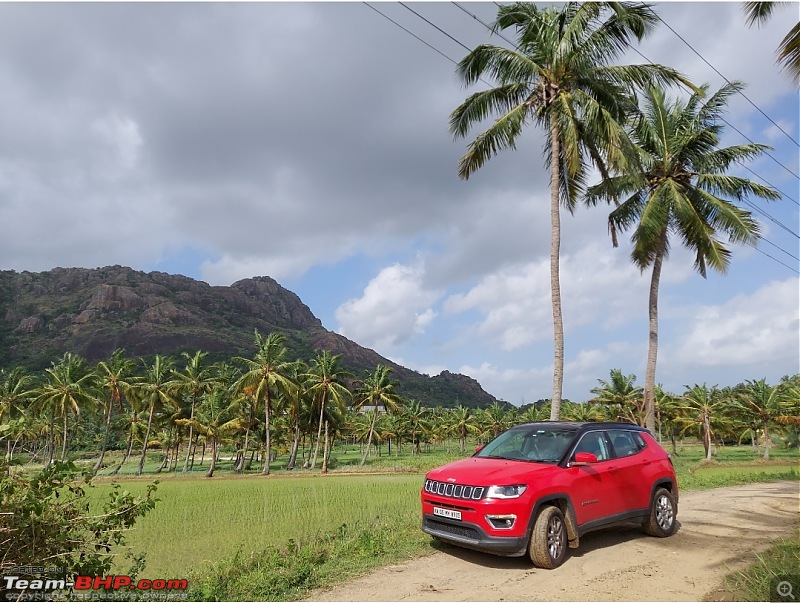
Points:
[(92, 312)]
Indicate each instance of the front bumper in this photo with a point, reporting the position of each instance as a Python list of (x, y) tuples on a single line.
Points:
[(472, 536)]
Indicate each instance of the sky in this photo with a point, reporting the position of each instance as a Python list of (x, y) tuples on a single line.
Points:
[(310, 143)]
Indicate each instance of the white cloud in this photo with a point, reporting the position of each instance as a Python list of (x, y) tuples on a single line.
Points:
[(755, 332), (122, 135), (394, 308)]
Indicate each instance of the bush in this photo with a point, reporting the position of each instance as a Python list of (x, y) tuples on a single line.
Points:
[(45, 521)]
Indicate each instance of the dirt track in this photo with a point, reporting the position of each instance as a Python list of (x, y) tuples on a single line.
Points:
[(719, 531)]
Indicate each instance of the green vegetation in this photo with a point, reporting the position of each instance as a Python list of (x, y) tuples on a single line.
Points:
[(758, 582), (46, 520)]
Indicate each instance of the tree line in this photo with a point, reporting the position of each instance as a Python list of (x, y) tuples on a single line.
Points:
[(261, 406)]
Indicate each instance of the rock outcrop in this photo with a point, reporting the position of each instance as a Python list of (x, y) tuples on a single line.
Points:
[(94, 312)]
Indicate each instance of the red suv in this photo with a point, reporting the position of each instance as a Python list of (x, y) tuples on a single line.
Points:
[(538, 487)]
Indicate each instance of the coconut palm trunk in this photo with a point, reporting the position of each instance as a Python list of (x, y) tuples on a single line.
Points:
[(319, 429), (267, 442), (295, 447), (98, 465), (555, 283), (652, 346), (140, 468), (191, 434), (213, 466), (369, 437), (64, 440), (326, 450)]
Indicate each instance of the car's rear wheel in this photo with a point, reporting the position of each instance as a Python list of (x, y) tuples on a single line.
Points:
[(548, 546), (663, 518)]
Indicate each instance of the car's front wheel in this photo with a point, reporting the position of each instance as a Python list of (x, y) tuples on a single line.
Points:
[(663, 518), (548, 546)]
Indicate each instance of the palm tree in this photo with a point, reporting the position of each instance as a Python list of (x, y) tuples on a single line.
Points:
[(66, 391), (789, 48), (16, 391), (765, 404), (621, 395), (558, 77), (266, 374), (494, 421), (377, 390), (114, 377), (326, 382), (193, 382), (462, 422), (298, 402), (156, 391), (217, 412), (680, 187), (699, 408), (416, 420)]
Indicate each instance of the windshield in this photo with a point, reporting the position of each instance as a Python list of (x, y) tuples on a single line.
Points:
[(529, 443)]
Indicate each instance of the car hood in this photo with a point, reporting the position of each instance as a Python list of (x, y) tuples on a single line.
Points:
[(478, 471)]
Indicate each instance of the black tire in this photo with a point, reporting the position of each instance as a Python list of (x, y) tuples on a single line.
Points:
[(663, 519), (548, 545)]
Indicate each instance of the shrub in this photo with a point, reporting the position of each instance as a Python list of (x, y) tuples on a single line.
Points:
[(46, 521)]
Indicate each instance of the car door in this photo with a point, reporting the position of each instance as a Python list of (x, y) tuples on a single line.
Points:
[(630, 469), (593, 486)]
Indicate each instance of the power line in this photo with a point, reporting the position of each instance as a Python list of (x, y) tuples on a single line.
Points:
[(762, 252), (410, 33), (464, 46), (747, 98), (768, 183)]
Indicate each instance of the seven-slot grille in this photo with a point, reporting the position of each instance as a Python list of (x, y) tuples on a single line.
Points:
[(454, 490)]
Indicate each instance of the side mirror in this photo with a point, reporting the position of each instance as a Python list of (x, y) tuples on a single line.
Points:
[(583, 458), (479, 447)]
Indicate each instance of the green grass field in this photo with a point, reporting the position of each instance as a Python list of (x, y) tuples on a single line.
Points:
[(330, 527)]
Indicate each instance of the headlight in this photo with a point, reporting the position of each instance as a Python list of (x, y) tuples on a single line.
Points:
[(505, 491)]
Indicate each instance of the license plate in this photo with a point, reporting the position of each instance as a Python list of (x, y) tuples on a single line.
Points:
[(449, 513)]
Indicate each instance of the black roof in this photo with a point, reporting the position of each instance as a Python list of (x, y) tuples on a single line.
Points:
[(585, 425)]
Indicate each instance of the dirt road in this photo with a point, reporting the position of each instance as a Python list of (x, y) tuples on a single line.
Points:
[(720, 530)]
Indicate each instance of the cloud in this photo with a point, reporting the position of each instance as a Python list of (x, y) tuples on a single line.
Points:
[(754, 332), (393, 309)]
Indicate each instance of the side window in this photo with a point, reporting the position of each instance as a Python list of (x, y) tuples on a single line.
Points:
[(595, 443), (626, 443)]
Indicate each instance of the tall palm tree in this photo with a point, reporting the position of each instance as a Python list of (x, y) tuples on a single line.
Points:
[(156, 391), (114, 377), (265, 375), (194, 381), (558, 77), (326, 383), (789, 48), (680, 187), (379, 391), (67, 389)]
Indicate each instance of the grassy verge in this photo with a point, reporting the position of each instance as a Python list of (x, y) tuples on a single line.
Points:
[(759, 581)]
